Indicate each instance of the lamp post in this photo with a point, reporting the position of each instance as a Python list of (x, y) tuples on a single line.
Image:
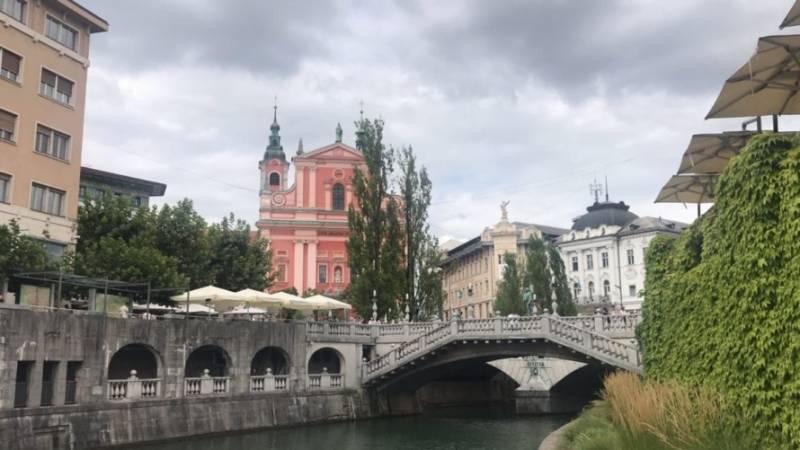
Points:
[(555, 303), (374, 306)]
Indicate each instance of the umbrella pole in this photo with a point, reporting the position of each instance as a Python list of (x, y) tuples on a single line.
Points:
[(758, 123), (188, 287), (698, 210), (775, 123), (148, 299)]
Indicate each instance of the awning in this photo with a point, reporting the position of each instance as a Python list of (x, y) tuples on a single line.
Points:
[(327, 303), (793, 17), (211, 294), (261, 299), (694, 189), (710, 153), (765, 85), (294, 302)]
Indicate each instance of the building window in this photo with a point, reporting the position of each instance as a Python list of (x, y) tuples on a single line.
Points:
[(47, 200), (280, 274), (9, 64), (5, 187), (8, 122), (632, 290), (52, 143), (338, 197), (631, 258), (61, 32), (574, 263), (137, 201), (337, 274), (14, 8), (576, 289), (604, 260), (589, 262), (274, 179), (56, 87), (606, 288), (591, 289), (323, 274)]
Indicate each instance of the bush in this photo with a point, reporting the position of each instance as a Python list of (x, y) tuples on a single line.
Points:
[(723, 300)]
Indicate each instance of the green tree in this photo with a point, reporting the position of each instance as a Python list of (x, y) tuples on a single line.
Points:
[(509, 291), (415, 193), (19, 253), (182, 233), (537, 273), (239, 262), (429, 296), (373, 248), (560, 283)]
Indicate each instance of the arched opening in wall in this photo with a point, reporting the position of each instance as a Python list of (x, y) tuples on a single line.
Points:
[(337, 275), (136, 357), (337, 197), (274, 179), (591, 290), (210, 357), (272, 358), (325, 358), (606, 288)]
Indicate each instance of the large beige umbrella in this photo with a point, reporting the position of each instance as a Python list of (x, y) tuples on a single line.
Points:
[(710, 153), (327, 303), (693, 189), (261, 299), (195, 309), (220, 298), (765, 85), (294, 302), (793, 17)]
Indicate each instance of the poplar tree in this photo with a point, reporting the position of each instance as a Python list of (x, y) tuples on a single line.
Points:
[(545, 273), (374, 245), (509, 291), (564, 301)]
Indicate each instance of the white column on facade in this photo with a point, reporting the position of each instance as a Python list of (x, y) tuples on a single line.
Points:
[(328, 204), (312, 186), (300, 182), (348, 195), (312, 265), (298, 265)]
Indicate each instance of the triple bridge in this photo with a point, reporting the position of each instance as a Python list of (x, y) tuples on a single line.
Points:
[(413, 352)]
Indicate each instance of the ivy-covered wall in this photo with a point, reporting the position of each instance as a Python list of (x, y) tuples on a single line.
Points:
[(723, 299)]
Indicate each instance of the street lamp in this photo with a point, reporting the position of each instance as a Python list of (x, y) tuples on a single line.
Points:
[(374, 306)]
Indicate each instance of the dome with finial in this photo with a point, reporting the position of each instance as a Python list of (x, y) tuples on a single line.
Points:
[(604, 213)]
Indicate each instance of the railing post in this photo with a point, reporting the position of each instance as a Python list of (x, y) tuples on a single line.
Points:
[(269, 381), (453, 327), (206, 383), (134, 386), (326, 329), (598, 323), (545, 325), (325, 379), (498, 325), (374, 333)]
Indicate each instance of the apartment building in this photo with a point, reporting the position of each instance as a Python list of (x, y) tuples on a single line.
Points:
[(44, 56)]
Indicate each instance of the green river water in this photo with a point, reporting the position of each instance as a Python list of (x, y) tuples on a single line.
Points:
[(448, 429)]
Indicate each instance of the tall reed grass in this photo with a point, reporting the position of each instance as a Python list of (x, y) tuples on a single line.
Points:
[(633, 414)]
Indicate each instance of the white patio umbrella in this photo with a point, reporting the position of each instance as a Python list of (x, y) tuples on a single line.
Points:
[(793, 17), (327, 303), (218, 297), (710, 153), (294, 302), (195, 308), (693, 189), (245, 310), (152, 307), (261, 299), (766, 84)]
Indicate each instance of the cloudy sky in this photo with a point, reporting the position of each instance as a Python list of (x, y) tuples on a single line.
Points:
[(526, 101)]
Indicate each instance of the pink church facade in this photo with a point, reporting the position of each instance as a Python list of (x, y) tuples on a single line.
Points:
[(306, 222)]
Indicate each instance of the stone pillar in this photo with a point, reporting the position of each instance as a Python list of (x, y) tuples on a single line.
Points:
[(325, 379), (92, 299), (311, 269), (312, 187), (300, 182), (35, 383), (60, 383), (269, 381), (134, 386), (206, 383), (298, 266)]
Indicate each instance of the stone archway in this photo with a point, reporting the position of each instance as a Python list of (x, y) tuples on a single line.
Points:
[(273, 358), (208, 357), (139, 357)]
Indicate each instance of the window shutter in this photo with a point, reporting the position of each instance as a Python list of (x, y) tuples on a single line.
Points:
[(7, 121), (65, 87), (11, 62), (48, 78)]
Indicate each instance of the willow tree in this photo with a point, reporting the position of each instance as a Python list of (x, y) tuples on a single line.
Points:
[(374, 249)]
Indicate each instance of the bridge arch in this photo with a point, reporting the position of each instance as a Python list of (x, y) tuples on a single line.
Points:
[(274, 358), (326, 358), (142, 358), (211, 357), (586, 380)]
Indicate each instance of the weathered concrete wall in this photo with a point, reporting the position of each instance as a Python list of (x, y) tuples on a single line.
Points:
[(547, 402), (103, 425)]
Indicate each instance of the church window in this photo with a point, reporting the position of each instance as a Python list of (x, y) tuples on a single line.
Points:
[(280, 274), (604, 259), (606, 288), (338, 197), (323, 274), (337, 274), (574, 263), (631, 258), (591, 289), (589, 262), (274, 179), (632, 290), (576, 288)]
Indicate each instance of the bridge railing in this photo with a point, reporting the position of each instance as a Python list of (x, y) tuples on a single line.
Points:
[(133, 388), (616, 326), (578, 335)]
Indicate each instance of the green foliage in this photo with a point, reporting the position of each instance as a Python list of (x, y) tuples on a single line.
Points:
[(182, 234), (291, 290), (544, 271), (723, 300), (238, 262), (19, 253), (566, 306), (509, 291), (374, 249)]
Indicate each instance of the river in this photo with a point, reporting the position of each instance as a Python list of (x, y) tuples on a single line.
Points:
[(485, 428)]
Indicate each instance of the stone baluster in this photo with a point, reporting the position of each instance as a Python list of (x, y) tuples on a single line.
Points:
[(498, 325)]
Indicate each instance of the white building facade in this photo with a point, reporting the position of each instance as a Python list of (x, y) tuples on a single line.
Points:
[(604, 253)]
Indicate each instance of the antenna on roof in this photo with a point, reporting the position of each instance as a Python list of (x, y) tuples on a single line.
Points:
[(606, 188), (595, 189)]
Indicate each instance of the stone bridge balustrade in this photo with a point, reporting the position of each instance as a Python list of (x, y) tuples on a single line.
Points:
[(206, 385), (326, 380), (133, 388), (269, 382)]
